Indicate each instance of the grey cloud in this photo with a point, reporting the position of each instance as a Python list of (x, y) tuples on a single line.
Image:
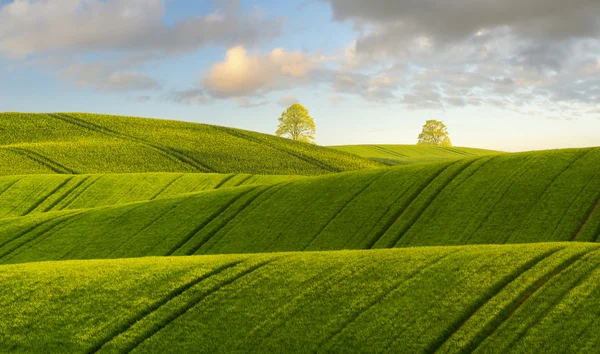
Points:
[(82, 26), (191, 96)]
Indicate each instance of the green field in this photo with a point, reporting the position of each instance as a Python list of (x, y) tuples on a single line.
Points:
[(75, 143), (498, 299), (547, 196), (393, 155), (122, 234)]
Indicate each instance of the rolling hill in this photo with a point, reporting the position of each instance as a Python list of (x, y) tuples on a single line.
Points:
[(393, 155), (545, 196), (77, 143), (490, 299)]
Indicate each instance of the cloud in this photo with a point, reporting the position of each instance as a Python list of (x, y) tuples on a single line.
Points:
[(242, 74), (518, 55), (191, 96), (287, 101), (42, 27)]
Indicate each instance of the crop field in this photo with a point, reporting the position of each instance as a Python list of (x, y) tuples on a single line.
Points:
[(393, 155), (122, 234), (517, 198), (85, 143), (498, 299)]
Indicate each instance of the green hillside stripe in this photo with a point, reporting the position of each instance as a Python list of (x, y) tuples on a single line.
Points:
[(495, 299), (345, 206), (26, 231), (42, 160), (388, 151), (376, 300), (298, 155), (244, 180), (173, 153), (174, 315), (586, 220), (9, 185), (44, 228), (382, 231), (494, 291), (70, 198), (65, 195), (166, 187), (574, 283), (154, 307), (549, 186), (196, 230), (40, 201), (221, 226), (225, 180)]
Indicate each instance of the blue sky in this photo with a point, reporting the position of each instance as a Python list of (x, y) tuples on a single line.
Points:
[(502, 74)]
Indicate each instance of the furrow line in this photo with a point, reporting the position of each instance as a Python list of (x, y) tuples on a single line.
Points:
[(10, 185), (298, 155), (587, 219), (242, 208), (61, 220), (548, 187), (161, 302), (182, 311), (379, 298), (583, 277), (430, 201), (61, 198), (170, 152), (42, 200), (225, 180), (44, 161), (80, 192), (517, 302), (340, 210), (399, 214), (165, 187), (388, 151), (198, 228), (388, 209), (496, 289), (244, 180)]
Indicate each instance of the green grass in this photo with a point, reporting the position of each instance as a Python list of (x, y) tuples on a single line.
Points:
[(518, 298), (549, 196), (77, 143), (409, 154)]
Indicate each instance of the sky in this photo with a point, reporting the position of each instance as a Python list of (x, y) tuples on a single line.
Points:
[(509, 75)]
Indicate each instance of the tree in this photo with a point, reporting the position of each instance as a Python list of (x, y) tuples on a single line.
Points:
[(434, 133), (296, 124)]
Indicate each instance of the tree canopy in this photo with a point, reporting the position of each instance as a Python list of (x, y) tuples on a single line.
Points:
[(297, 124), (434, 133)]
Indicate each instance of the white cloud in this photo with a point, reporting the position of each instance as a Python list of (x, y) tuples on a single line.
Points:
[(40, 27), (242, 74), (287, 101)]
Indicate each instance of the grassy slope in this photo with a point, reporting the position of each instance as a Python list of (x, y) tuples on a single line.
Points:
[(32, 194), (527, 298), (516, 198), (86, 143), (410, 154)]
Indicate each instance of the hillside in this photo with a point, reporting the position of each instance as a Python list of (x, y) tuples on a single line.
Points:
[(85, 143), (514, 198), (409, 154), (496, 299)]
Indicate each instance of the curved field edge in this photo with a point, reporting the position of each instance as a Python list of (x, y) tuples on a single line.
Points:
[(409, 154), (517, 198), (511, 298), (30, 194), (76, 143)]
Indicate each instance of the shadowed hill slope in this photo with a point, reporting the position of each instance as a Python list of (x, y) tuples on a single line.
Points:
[(409, 154), (86, 143), (513, 198), (499, 299)]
